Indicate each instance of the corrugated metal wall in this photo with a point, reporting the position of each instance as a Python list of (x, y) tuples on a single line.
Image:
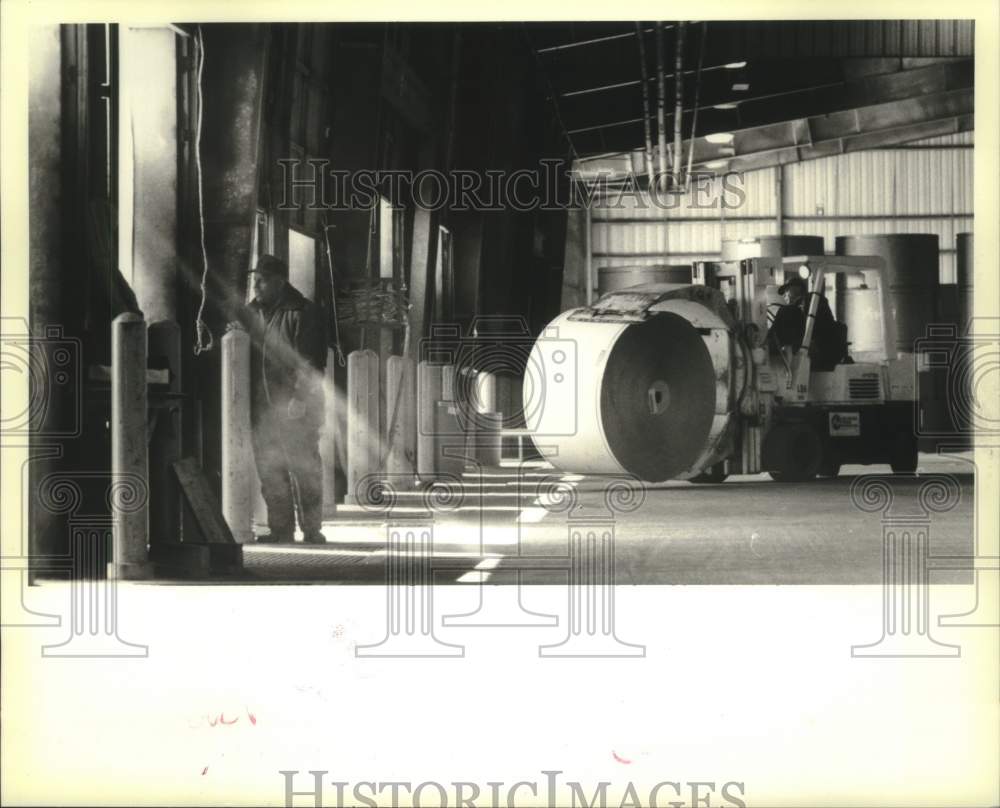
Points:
[(789, 38), (921, 187)]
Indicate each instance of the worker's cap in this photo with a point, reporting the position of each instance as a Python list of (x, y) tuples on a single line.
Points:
[(795, 280), (271, 265)]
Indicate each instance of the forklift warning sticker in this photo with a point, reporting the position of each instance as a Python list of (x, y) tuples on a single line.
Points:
[(845, 424)]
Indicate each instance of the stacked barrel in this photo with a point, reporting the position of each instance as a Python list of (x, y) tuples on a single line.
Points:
[(771, 247), (911, 275), (612, 279), (955, 311)]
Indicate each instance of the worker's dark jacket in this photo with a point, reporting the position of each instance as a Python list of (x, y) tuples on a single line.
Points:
[(828, 346), (288, 354)]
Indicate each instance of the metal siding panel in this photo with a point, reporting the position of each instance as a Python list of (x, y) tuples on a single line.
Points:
[(892, 37), (910, 37), (928, 38), (957, 139), (879, 186), (965, 37), (848, 38), (946, 37)]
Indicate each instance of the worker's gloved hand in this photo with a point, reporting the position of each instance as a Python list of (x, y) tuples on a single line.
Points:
[(296, 409)]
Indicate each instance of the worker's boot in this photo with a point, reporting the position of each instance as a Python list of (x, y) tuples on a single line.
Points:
[(276, 537)]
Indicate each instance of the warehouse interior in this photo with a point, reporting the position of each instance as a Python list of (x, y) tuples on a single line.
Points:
[(165, 160)]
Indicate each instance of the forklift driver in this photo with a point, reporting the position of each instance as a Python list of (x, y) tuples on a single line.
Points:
[(829, 340)]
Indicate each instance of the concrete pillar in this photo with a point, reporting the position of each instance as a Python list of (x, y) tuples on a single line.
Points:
[(464, 392), (147, 133), (449, 440), (129, 450), (428, 394), (422, 257), (401, 436), (328, 438), (486, 391), (447, 382), (237, 453), (363, 444), (487, 438), (164, 338)]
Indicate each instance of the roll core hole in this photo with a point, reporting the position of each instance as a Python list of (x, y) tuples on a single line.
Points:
[(659, 397)]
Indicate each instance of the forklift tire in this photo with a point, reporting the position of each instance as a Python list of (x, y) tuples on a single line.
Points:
[(829, 468), (714, 474), (793, 453), (903, 459)]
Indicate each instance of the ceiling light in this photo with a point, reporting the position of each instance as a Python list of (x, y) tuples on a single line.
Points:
[(727, 105), (717, 164), (735, 65), (720, 137), (741, 88)]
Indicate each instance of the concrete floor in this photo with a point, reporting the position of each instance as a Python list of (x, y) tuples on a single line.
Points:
[(512, 525)]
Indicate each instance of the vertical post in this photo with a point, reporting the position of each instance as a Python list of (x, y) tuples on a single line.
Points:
[(129, 450), (450, 451), (429, 393), (421, 267), (237, 458), (328, 437), (779, 198), (164, 339), (448, 383), (362, 419), (588, 250), (402, 426), (486, 436), (486, 391)]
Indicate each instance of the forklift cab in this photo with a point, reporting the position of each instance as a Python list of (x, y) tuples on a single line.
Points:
[(787, 326)]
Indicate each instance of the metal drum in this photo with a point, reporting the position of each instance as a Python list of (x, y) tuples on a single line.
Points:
[(771, 247), (859, 308), (650, 399), (964, 274), (911, 277), (611, 279), (957, 386)]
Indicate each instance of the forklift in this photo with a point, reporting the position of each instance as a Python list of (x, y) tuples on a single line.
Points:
[(797, 422)]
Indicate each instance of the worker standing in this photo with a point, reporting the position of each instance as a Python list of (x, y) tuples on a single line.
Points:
[(288, 357)]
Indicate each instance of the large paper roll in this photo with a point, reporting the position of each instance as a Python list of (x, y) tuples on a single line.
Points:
[(648, 398)]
